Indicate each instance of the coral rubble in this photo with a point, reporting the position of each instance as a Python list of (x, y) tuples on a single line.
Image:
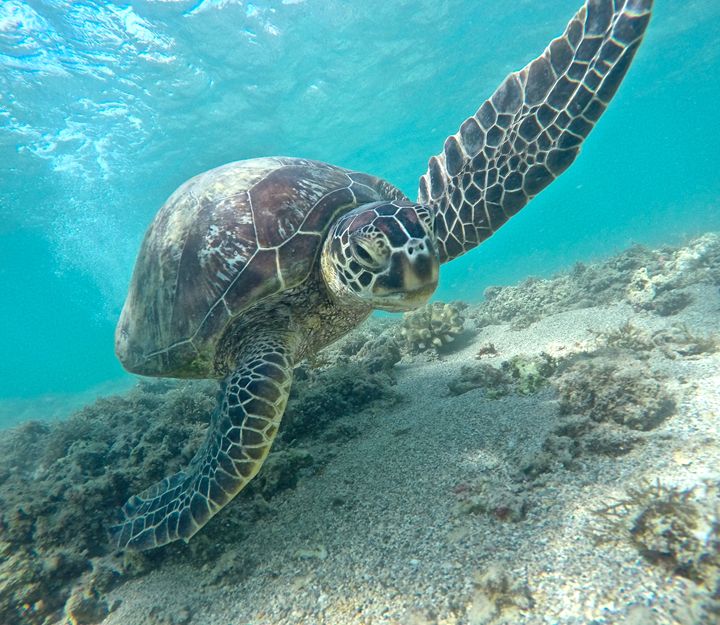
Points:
[(651, 280)]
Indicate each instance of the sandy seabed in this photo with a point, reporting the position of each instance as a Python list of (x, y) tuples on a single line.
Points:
[(487, 507)]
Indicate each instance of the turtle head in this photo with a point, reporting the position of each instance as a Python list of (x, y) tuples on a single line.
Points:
[(384, 255)]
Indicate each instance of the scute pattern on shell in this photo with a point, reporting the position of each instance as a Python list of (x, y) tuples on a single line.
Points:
[(225, 240)]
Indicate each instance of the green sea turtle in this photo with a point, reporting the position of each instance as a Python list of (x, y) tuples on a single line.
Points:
[(251, 267)]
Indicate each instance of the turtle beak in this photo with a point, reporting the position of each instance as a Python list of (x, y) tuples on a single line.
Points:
[(411, 279)]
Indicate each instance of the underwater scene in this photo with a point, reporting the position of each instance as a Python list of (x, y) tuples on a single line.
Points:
[(275, 353)]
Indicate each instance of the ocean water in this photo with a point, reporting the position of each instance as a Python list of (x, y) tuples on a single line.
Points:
[(106, 107), (366, 510)]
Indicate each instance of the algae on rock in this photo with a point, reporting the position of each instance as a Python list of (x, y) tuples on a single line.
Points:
[(678, 529), (607, 399), (530, 373), (61, 484), (492, 380), (623, 391), (498, 499), (499, 597), (520, 374), (324, 396)]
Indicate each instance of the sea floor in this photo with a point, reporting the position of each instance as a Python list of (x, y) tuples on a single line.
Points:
[(484, 507), (557, 463), (56, 406)]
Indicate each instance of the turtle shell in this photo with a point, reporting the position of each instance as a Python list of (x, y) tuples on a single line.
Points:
[(226, 240)]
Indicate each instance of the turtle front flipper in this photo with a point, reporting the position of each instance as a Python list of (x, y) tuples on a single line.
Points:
[(531, 129), (238, 440)]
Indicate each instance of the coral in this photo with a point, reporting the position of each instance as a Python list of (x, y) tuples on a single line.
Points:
[(606, 397), (622, 391), (641, 289), (379, 354), (68, 478), (33, 586), (374, 345), (492, 380), (584, 286), (674, 340), (432, 327), (608, 440), (522, 374), (671, 302), (521, 305), (573, 437), (104, 577)]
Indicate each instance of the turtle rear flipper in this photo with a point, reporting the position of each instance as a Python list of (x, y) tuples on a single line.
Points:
[(238, 440), (531, 128)]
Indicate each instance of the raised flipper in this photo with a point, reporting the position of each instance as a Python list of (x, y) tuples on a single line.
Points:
[(531, 129), (238, 440)]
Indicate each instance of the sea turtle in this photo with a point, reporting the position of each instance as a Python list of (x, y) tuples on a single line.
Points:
[(249, 268)]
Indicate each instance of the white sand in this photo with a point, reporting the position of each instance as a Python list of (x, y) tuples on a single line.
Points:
[(395, 550)]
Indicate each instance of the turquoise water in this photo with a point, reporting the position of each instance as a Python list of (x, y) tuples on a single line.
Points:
[(105, 108)]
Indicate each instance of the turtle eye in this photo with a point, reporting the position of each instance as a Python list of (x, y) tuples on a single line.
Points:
[(362, 254), (426, 217)]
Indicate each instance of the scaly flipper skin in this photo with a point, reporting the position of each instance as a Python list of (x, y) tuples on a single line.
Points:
[(238, 440), (531, 129)]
